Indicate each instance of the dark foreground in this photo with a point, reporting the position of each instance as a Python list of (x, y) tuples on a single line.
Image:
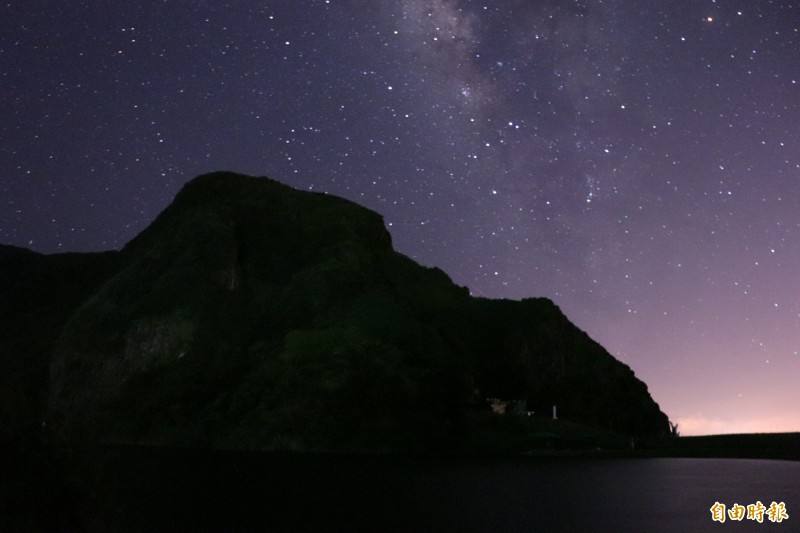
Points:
[(123, 488)]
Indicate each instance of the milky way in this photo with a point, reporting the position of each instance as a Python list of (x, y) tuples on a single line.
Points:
[(637, 161)]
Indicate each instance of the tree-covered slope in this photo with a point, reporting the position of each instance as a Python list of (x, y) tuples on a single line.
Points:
[(252, 315)]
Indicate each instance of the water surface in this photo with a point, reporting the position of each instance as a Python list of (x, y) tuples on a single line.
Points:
[(168, 490)]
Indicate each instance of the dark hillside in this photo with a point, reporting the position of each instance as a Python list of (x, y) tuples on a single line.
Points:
[(39, 293), (251, 315)]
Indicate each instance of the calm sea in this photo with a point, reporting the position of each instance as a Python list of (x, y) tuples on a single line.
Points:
[(181, 491)]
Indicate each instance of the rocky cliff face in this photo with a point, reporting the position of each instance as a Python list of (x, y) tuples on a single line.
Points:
[(251, 315)]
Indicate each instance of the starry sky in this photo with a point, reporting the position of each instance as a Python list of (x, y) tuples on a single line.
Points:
[(637, 161)]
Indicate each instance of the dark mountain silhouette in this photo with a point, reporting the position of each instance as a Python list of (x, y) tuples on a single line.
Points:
[(250, 315)]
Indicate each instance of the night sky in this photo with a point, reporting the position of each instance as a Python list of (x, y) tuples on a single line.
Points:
[(637, 161)]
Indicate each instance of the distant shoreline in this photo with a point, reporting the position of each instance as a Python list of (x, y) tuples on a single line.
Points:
[(785, 446), (775, 446)]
